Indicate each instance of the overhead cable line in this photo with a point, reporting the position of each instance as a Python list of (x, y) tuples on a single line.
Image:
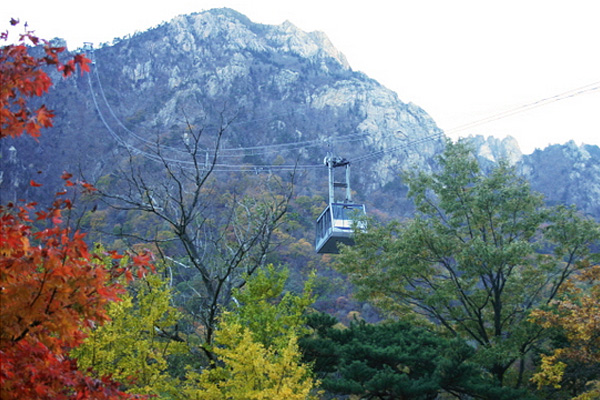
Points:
[(234, 151), (300, 145), (247, 151), (526, 107), (407, 144), (186, 164)]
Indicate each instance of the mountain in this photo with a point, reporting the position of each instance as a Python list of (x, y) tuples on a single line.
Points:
[(287, 93), (566, 174), (288, 98)]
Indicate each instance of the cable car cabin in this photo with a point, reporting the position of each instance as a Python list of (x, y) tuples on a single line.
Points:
[(335, 225), (336, 222)]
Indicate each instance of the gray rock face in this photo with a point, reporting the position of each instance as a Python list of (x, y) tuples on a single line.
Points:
[(494, 150), (282, 84), (566, 174), (290, 95)]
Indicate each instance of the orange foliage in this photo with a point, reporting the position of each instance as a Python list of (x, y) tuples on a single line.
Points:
[(22, 77), (51, 287), (577, 314)]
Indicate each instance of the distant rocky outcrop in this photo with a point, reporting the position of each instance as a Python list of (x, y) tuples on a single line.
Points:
[(566, 174), (491, 150)]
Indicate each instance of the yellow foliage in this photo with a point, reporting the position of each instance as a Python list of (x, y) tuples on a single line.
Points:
[(256, 345), (129, 347), (354, 316), (247, 370), (551, 372), (302, 247), (593, 392)]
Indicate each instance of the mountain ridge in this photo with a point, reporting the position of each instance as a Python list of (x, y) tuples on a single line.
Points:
[(278, 85)]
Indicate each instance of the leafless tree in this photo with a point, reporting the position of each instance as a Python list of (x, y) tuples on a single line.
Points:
[(224, 236)]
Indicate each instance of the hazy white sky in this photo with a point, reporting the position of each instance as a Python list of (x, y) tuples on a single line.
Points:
[(460, 60)]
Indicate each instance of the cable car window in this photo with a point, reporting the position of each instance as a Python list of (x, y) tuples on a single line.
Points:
[(347, 211), (324, 224)]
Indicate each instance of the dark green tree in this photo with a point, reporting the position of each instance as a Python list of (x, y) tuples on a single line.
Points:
[(481, 253), (395, 360)]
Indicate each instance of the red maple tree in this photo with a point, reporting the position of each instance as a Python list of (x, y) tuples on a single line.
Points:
[(22, 77), (51, 286)]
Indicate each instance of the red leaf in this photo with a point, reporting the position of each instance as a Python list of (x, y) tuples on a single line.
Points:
[(83, 62), (34, 183), (88, 186), (50, 61), (32, 129), (114, 255), (66, 176), (68, 68), (128, 276), (142, 260), (44, 117)]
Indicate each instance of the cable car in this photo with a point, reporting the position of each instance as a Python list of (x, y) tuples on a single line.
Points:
[(336, 223)]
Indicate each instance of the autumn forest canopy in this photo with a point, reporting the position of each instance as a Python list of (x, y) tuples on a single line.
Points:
[(167, 280)]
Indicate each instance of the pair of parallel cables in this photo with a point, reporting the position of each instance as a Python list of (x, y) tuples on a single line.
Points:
[(301, 145)]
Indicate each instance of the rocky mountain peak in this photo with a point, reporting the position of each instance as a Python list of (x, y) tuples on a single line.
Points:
[(577, 153), (190, 31), (566, 174), (237, 32), (322, 40), (313, 45), (494, 150), (291, 91)]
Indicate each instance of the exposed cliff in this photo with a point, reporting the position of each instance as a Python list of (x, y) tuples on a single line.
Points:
[(566, 174), (288, 94), (290, 97)]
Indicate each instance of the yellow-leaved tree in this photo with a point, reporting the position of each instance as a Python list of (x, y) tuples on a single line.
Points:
[(135, 345), (256, 346)]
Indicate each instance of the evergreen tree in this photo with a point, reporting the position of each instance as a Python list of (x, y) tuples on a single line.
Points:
[(395, 360)]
